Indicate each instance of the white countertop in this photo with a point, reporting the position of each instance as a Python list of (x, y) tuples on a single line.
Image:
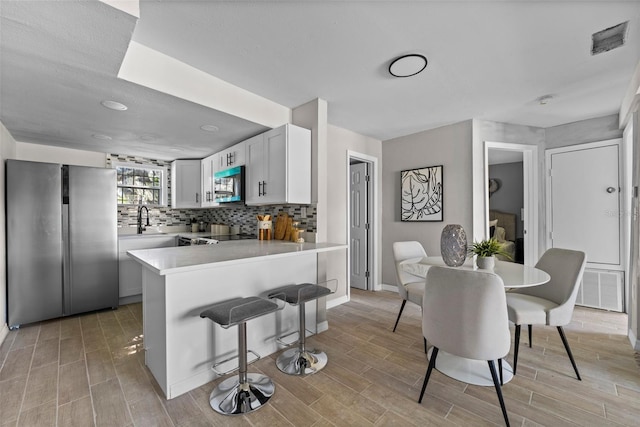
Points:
[(187, 258)]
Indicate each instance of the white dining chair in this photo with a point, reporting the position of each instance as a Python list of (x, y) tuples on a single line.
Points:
[(551, 303), (410, 287), (465, 314)]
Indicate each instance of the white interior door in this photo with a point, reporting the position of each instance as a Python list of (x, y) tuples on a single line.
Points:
[(359, 225), (585, 202)]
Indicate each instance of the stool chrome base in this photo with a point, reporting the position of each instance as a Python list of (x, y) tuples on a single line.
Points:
[(296, 362), (231, 398)]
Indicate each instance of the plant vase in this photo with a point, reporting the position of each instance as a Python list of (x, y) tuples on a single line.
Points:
[(453, 245), (486, 262)]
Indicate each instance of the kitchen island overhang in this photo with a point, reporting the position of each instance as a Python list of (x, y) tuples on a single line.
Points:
[(179, 283)]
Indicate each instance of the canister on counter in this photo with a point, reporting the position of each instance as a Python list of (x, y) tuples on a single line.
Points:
[(264, 230)]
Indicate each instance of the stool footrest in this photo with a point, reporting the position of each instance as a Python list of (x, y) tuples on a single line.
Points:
[(235, 356), (281, 340)]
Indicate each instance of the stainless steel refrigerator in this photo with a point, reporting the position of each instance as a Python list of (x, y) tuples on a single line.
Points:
[(62, 243)]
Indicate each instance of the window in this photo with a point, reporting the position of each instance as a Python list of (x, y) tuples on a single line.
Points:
[(141, 184)]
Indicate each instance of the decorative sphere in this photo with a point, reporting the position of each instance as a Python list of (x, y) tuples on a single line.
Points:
[(453, 245)]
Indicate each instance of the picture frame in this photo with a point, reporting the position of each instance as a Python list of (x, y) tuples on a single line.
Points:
[(422, 194)]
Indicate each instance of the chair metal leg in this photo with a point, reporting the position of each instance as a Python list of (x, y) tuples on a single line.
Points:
[(404, 301), (494, 375), (530, 336), (425, 345), (500, 369), (432, 363), (566, 347), (515, 349)]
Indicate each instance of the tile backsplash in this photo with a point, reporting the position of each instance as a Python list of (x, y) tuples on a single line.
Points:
[(239, 215)]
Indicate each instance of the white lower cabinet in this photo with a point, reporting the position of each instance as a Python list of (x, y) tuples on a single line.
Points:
[(130, 271)]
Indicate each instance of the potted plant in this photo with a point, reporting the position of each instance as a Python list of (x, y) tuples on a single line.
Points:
[(486, 251)]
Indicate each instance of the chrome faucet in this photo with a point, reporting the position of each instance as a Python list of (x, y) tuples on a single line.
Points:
[(140, 227)]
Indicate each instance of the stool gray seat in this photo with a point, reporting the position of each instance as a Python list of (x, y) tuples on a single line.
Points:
[(246, 392), (300, 360)]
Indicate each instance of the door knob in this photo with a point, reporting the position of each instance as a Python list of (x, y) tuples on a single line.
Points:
[(611, 190)]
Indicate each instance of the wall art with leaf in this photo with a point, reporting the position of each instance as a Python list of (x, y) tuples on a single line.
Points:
[(422, 194)]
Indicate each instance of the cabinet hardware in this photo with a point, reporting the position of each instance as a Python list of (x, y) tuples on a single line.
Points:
[(259, 189), (197, 201), (264, 188)]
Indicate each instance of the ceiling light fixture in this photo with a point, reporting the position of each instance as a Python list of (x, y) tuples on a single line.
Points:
[(101, 137), (210, 128), (544, 99), (176, 149), (113, 105), (407, 65)]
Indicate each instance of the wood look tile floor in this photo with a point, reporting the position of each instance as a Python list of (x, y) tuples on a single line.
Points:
[(89, 370)]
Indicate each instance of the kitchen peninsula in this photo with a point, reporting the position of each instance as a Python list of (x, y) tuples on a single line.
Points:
[(178, 283)]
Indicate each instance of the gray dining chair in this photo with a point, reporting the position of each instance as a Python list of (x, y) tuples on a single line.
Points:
[(551, 303), (465, 314), (410, 287)]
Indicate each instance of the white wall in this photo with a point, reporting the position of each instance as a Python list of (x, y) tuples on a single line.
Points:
[(67, 156), (450, 146), (340, 142), (7, 151), (582, 132)]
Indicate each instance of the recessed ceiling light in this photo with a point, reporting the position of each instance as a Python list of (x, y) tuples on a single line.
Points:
[(544, 99), (210, 128), (407, 65), (113, 105), (101, 136)]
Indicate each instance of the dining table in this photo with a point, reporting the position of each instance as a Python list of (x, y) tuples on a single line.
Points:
[(513, 276)]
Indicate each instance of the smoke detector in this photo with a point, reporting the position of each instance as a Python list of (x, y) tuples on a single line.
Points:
[(609, 39)]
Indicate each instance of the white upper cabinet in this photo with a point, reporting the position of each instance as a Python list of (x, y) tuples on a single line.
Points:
[(232, 156), (209, 167), (279, 167), (186, 184)]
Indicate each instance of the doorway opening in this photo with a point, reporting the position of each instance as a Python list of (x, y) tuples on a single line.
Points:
[(362, 172), (518, 161)]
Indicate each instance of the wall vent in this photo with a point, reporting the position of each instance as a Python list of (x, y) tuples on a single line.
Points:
[(602, 289), (611, 38)]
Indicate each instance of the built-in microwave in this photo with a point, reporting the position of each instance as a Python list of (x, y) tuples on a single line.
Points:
[(228, 185)]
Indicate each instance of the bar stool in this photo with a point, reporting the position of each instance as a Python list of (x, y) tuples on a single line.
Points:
[(246, 392), (300, 360)]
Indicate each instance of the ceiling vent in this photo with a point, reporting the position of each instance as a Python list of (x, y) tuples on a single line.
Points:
[(611, 38)]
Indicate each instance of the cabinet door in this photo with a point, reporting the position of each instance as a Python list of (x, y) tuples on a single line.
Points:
[(274, 188), (208, 169), (130, 271), (255, 169), (185, 184)]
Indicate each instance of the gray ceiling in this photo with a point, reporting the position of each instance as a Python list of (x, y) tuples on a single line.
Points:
[(488, 60)]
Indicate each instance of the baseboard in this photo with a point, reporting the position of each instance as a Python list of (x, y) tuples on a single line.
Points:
[(130, 299), (322, 326), (336, 302), (4, 331), (390, 288), (633, 340)]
